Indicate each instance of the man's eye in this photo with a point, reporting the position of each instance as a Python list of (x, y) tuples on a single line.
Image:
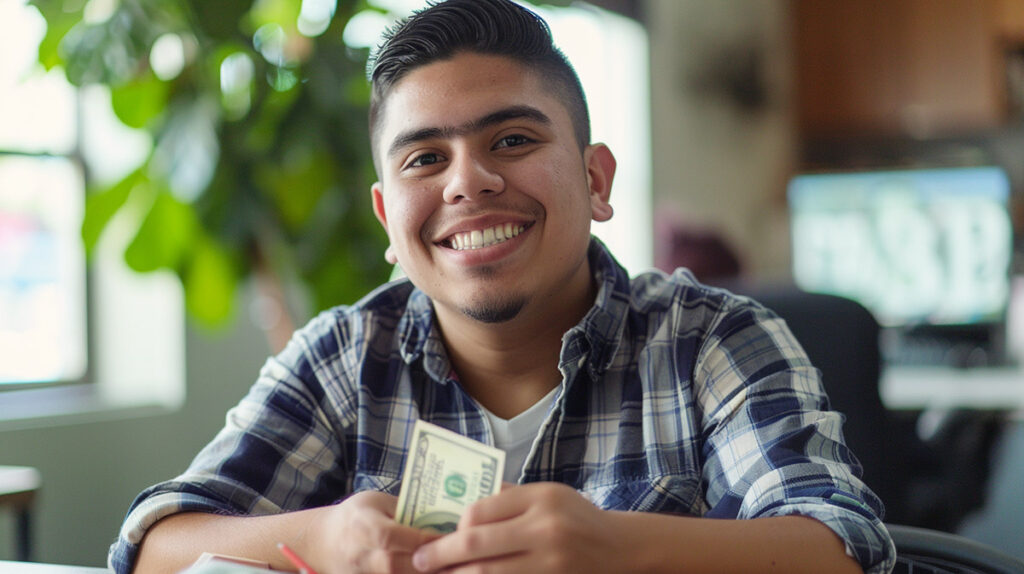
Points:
[(512, 141), (424, 160)]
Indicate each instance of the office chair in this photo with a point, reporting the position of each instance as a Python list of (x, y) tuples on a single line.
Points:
[(932, 484), (926, 551)]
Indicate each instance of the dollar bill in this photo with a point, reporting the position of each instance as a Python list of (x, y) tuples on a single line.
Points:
[(444, 473)]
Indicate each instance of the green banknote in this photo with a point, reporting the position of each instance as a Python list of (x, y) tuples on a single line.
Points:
[(444, 473)]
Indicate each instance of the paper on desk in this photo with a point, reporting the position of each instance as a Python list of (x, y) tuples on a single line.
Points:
[(218, 564)]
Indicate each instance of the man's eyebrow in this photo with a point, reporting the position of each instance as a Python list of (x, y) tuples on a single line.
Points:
[(510, 113), (410, 137)]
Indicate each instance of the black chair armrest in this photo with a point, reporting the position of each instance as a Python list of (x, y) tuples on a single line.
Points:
[(925, 550)]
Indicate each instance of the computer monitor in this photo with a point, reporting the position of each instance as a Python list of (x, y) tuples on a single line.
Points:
[(919, 248)]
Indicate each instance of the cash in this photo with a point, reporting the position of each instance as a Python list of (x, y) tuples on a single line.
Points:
[(444, 473)]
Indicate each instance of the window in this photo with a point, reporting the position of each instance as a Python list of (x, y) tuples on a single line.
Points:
[(42, 264), (128, 350)]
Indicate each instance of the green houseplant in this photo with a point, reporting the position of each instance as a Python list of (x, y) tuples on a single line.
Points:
[(259, 166)]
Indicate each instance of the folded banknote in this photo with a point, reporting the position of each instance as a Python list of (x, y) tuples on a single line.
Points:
[(444, 473)]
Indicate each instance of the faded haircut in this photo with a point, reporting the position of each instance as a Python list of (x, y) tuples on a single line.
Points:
[(492, 27)]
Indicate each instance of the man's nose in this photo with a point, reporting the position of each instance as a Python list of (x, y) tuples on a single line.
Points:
[(470, 178)]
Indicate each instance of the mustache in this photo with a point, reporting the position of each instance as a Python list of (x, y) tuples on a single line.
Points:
[(531, 211)]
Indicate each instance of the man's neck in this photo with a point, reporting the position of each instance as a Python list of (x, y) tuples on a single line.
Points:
[(509, 366)]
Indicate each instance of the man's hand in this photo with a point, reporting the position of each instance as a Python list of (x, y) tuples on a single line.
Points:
[(546, 528), (536, 528), (357, 536), (360, 536)]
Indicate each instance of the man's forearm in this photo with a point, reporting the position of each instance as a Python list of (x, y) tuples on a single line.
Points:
[(791, 544), (358, 533), (177, 541)]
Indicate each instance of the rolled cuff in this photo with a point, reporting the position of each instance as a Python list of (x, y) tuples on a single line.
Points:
[(866, 539), (148, 510)]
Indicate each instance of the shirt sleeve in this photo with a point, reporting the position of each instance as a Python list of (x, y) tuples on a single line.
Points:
[(773, 446), (278, 451)]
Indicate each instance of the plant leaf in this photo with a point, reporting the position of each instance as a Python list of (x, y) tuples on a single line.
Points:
[(284, 13), (219, 19), (166, 234), (210, 281), (58, 22), (137, 102), (105, 53), (297, 186), (101, 206)]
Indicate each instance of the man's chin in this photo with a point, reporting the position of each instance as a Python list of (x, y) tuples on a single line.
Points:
[(494, 311)]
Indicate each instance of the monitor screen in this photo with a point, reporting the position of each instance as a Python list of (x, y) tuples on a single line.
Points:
[(916, 247)]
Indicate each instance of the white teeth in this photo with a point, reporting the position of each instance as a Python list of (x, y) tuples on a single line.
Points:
[(485, 237)]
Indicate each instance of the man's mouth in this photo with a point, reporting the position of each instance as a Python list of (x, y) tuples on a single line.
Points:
[(479, 238)]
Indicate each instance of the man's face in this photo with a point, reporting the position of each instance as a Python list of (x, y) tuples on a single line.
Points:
[(484, 192)]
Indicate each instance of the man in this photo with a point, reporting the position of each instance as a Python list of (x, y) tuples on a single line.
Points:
[(632, 412)]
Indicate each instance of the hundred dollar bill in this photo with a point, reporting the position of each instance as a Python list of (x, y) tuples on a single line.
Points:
[(444, 473)]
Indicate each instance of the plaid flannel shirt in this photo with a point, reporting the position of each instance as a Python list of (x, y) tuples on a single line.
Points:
[(676, 397)]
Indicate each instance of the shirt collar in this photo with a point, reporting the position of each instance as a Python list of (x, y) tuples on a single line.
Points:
[(599, 333), (596, 337), (419, 336)]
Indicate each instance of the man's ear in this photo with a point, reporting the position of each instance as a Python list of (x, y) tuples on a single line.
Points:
[(600, 172), (378, 209)]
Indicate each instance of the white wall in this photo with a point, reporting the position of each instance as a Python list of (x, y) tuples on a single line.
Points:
[(717, 165)]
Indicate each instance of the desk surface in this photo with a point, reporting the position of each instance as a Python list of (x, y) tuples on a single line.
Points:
[(18, 479), (949, 388), (36, 568)]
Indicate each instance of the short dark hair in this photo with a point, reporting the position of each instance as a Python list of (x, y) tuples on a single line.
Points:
[(493, 27)]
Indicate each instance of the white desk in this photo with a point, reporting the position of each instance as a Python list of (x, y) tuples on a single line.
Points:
[(18, 487), (36, 568), (943, 388)]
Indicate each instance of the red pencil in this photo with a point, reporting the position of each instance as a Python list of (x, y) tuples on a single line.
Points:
[(294, 559)]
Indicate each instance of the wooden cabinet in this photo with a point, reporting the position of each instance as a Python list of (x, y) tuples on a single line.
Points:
[(1009, 16), (918, 68)]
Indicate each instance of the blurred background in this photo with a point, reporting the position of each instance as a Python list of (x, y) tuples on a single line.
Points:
[(183, 183)]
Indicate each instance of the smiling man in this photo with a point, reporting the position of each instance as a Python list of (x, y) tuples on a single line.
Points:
[(634, 412), (487, 197)]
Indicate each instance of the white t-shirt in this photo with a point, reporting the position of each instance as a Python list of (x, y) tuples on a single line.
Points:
[(515, 436)]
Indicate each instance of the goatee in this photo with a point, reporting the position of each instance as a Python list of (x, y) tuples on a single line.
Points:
[(498, 312)]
